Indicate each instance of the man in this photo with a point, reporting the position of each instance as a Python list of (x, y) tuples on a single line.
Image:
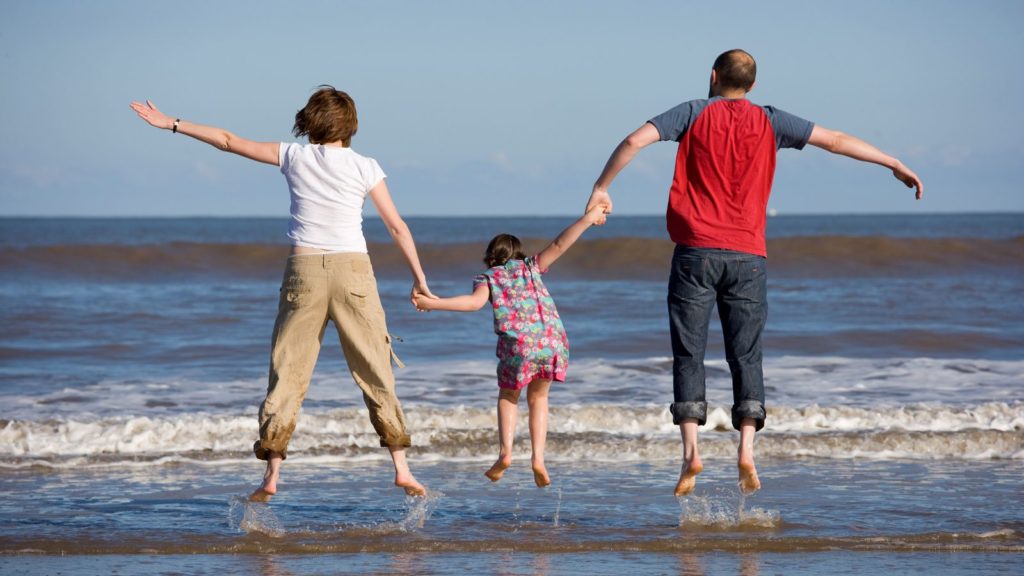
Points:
[(716, 216)]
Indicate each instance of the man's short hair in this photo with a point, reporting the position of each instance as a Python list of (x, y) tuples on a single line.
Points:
[(736, 69), (329, 116)]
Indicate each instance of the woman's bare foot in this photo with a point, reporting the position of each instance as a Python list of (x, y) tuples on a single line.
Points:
[(688, 476), (540, 475), (498, 469), (263, 493), (749, 483), (408, 482), (269, 486), (403, 477)]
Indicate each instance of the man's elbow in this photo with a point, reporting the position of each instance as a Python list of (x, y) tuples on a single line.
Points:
[(633, 142), (834, 142)]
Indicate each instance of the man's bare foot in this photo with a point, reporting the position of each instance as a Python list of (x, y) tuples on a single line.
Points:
[(749, 483), (498, 470), (540, 475), (410, 485), (688, 476)]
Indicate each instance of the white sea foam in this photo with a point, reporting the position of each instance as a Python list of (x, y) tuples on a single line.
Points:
[(792, 382), (577, 432)]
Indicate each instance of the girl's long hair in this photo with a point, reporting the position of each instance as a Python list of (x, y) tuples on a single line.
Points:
[(502, 248)]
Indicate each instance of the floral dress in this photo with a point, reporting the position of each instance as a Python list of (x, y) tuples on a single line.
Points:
[(531, 339)]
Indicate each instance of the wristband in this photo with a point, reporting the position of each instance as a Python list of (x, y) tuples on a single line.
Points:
[(174, 128)]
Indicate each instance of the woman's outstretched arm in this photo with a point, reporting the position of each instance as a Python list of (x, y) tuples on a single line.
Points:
[(266, 152), (402, 236)]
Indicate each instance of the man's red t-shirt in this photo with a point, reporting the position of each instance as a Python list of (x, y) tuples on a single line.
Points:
[(724, 170)]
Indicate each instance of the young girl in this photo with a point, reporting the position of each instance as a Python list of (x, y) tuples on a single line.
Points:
[(532, 346), (328, 275)]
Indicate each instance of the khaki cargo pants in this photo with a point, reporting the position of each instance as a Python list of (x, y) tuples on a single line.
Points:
[(316, 288)]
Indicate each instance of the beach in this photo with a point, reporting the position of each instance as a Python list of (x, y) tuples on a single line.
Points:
[(135, 357)]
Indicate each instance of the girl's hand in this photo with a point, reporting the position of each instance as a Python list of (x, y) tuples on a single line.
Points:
[(599, 197), (596, 214), (422, 303), (153, 115), (420, 291)]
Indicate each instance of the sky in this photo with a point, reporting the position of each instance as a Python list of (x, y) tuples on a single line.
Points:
[(499, 108)]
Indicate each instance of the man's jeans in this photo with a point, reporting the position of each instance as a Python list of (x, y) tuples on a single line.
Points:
[(737, 282)]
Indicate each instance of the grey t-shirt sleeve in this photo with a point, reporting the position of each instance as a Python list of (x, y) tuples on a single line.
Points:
[(790, 131), (673, 123)]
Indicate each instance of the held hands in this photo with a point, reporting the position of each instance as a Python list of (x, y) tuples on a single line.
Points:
[(599, 197), (597, 214), (908, 177), (151, 114), (421, 295), (423, 303)]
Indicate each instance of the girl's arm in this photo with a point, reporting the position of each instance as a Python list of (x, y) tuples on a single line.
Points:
[(266, 152), (466, 303), (402, 236), (568, 237)]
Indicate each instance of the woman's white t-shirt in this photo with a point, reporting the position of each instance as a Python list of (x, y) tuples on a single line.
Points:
[(328, 186)]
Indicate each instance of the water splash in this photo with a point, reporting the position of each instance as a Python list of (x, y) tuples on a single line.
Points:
[(558, 507), (253, 517), (515, 512), (419, 510), (724, 510)]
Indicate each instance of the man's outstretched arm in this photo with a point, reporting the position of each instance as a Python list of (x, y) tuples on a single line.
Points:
[(623, 154), (839, 143)]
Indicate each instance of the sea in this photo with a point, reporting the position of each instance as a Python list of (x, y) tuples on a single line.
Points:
[(134, 356)]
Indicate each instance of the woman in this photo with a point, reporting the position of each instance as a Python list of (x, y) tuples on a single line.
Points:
[(328, 274)]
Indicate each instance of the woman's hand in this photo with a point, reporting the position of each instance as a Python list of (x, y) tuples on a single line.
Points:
[(420, 292), (151, 114)]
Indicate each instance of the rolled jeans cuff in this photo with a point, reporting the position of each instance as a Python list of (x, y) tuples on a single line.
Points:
[(748, 409), (683, 410)]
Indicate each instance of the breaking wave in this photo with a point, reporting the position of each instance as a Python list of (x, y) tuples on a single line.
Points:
[(578, 433), (615, 258)]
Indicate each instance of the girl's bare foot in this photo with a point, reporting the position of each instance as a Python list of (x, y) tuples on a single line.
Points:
[(688, 476), (498, 470), (749, 483), (540, 475), (409, 483)]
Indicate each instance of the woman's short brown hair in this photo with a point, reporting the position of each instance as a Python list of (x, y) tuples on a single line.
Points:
[(503, 247), (329, 116)]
